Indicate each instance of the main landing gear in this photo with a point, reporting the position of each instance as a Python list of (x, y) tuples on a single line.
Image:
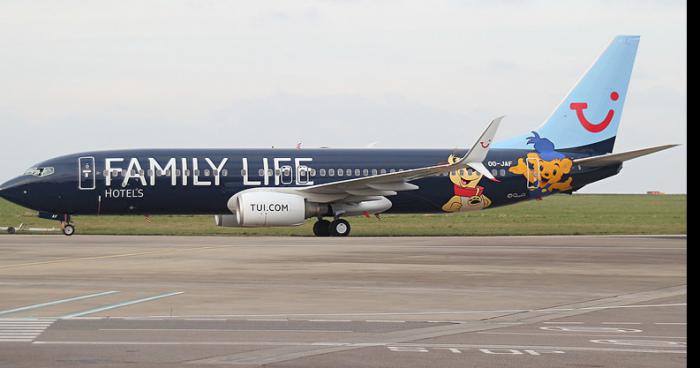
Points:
[(337, 227)]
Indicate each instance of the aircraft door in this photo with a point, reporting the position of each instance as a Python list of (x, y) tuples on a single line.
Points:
[(302, 175), (533, 172), (287, 176), (86, 173)]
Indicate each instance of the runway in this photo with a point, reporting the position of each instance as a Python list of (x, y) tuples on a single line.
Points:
[(97, 301)]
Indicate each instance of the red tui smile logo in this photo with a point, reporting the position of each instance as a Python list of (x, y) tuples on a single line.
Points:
[(485, 144), (593, 128)]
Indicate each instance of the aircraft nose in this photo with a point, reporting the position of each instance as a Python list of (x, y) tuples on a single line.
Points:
[(13, 190)]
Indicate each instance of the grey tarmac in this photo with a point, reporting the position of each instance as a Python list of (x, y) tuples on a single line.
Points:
[(117, 301)]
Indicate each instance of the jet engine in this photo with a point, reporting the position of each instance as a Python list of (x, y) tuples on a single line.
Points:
[(257, 208)]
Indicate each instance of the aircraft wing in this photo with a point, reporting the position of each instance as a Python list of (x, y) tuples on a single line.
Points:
[(391, 183), (616, 158)]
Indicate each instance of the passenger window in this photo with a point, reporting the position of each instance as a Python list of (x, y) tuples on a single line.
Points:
[(331, 172), (494, 172), (322, 172), (357, 172), (348, 172), (365, 172), (374, 171), (502, 172), (382, 171), (224, 172), (242, 172), (207, 172), (392, 170), (339, 172), (261, 172)]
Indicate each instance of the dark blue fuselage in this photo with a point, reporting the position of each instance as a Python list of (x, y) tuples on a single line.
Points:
[(201, 181)]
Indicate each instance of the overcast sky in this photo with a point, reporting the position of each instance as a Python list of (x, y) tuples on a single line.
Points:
[(88, 75)]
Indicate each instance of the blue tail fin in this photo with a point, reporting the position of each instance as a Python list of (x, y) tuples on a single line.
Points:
[(587, 119)]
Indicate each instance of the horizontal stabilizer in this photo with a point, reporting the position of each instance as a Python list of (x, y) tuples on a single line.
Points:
[(616, 158)]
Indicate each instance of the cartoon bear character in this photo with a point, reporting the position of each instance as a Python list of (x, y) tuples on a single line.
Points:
[(468, 195), (551, 172), (552, 167)]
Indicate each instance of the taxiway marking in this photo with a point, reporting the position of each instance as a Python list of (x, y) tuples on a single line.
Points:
[(122, 304), (22, 330), (61, 301), (358, 345), (60, 260), (427, 312)]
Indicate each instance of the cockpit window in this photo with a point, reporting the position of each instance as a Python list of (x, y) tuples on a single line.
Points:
[(40, 171)]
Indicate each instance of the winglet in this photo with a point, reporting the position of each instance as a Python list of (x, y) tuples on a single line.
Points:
[(477, 154)]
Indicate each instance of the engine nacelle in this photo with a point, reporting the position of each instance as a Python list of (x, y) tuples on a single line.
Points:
[(226, 221), (254, 208)]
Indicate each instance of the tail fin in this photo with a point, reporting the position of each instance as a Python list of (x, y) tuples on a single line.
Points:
[(587, 119)]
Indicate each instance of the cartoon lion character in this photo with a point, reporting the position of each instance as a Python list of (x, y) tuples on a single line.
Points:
[(468, 195), (553, 166), (551, 172)]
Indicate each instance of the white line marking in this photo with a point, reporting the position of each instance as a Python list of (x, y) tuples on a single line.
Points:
[(617, 336), (119, 305), (620, 323), (329, 320), (384, 321), (220, 330), (61, 301), (671, 323), (351, 344), (423, 312), (268, 319), (21, 330), (563, 323)]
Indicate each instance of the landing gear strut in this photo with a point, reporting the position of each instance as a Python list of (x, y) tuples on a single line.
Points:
[(337, 227)]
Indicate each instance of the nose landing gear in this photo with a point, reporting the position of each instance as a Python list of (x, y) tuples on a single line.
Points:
[(67, 227)]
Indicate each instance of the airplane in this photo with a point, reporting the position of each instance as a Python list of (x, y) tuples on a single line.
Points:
[(285, 187)]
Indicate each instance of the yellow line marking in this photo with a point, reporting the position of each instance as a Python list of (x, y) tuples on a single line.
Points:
[(105, 257)]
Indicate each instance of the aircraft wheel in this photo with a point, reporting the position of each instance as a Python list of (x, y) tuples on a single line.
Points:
[(11, 230), (339, 227), (322, 228), (68, 230)]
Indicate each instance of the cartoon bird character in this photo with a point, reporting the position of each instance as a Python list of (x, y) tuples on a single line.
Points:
[(545, 168), (468, 195)]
